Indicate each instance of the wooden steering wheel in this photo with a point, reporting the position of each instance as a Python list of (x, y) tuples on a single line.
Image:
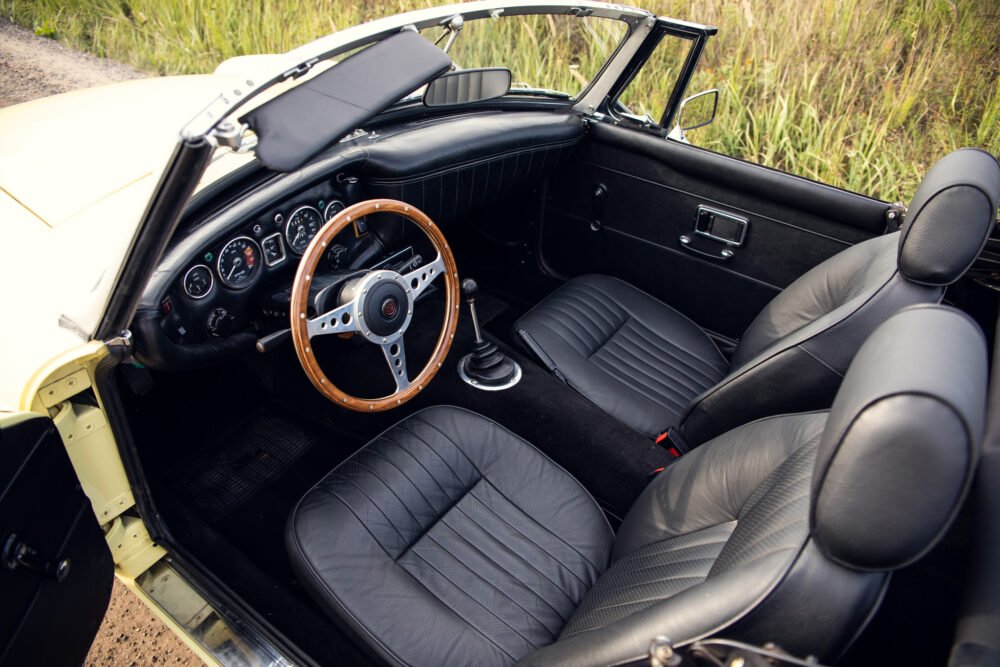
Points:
[(377, 306)]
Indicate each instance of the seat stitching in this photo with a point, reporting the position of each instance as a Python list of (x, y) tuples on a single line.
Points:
[(484, 607), (635, 557), (426, 530), (651, 391), (523, 583), (649, 334), (722, 357), (418, 462), (664, 355), (611, 310), (540, 547), (677, 376), (490, 584), (673, 354), (380, 510), (392, 491), (385, 457), (650, 582), (773, 530), (533, 520), (596, 341), (619, 352), (519, 556), (581, 315), (436, 453), (455, 611), (646, 601), (592, 312), (563, 337), (671, 563), (350, 509), (318, 579), (454, 444)]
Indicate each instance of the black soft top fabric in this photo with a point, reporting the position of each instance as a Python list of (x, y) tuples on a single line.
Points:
[(294, 127)]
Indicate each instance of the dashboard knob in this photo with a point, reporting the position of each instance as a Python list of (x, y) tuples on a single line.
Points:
[(219, 323)]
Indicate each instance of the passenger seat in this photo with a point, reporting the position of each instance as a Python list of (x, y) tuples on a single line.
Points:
[(652, 368)]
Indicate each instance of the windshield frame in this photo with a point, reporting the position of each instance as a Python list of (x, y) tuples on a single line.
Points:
[(301, 61)]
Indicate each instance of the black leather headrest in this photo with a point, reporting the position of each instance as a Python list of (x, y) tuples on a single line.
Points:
[(902, 440), (950, 217)]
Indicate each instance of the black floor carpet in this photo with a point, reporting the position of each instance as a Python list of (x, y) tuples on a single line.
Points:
[(221, 478)]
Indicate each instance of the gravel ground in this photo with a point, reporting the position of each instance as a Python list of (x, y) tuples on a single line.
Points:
[(33, 67)]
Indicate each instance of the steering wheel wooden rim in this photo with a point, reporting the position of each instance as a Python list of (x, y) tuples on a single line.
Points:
[(349, 317)]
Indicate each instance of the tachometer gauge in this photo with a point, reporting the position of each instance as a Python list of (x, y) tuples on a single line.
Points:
[(303, 224), (198, 281), (239, 262)]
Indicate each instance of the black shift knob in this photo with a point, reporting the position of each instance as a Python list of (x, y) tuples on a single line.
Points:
[(469, 289)]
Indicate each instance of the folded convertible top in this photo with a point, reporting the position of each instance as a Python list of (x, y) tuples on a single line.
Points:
[(295, 126)]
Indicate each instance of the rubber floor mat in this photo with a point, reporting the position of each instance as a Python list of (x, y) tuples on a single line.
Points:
[(220, 479)]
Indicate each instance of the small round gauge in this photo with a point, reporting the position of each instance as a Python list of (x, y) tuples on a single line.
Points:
[(198, 281), (332, 209), (239, 262), (303, 224)]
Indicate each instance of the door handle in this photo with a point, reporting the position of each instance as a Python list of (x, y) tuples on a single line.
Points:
[(19, 554), (723, 255)]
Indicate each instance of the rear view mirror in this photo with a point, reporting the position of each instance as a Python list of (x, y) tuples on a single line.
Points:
[(698, 110), (466, 86)]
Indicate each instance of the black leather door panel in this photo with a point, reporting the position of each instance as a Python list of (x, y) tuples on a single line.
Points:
[(651, 191)]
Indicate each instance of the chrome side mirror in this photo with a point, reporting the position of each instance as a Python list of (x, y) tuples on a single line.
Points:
[(467, 85), (695, 111)]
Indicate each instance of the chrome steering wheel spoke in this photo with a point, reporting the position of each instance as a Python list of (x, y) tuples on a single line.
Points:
[(337, 321), (419, 279), (395, 356)]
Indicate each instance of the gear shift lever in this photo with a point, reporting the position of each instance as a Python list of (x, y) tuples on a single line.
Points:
[(486, 367), (470, 290)]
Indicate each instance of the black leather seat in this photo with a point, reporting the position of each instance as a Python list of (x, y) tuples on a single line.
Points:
[(652, 368), (450, 541)]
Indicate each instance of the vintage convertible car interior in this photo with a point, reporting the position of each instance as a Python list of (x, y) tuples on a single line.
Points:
[(501, 380)]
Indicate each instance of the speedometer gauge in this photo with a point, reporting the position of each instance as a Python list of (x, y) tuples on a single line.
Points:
[(303, 224), (239, 262)]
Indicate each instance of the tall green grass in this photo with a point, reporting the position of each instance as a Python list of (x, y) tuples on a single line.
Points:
[(862, 94)]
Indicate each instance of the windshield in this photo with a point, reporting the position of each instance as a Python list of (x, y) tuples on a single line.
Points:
[(547, 54)]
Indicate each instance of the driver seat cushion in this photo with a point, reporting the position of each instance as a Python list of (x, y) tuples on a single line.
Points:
[(630, 354), (449, 518)]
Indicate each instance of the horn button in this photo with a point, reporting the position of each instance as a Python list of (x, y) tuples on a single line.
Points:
[(385, 307)]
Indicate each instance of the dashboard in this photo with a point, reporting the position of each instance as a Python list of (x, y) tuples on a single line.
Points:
[(223, 285), (227, 282)]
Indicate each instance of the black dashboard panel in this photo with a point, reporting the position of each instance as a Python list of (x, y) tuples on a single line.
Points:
[(225, 279), (450, 169)]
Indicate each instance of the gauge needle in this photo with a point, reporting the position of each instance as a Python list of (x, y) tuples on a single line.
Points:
[(236, 265), (298, 233)]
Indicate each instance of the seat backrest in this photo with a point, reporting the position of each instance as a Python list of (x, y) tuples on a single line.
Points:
[(793, 355), (785, 530)]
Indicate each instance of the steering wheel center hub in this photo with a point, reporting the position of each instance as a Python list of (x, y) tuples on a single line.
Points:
[(384, 306)]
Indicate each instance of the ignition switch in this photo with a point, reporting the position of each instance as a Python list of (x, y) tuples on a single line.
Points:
[(220, 323)]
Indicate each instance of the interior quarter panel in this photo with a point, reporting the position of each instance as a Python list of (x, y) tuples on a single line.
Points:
[(653, 188)]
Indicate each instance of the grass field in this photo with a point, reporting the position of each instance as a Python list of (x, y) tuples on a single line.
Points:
[(863, 94)]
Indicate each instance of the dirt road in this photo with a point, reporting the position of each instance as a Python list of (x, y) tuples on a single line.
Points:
[(33, 67)]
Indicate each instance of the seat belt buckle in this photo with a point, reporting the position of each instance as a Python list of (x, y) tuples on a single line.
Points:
[(673, 442)]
